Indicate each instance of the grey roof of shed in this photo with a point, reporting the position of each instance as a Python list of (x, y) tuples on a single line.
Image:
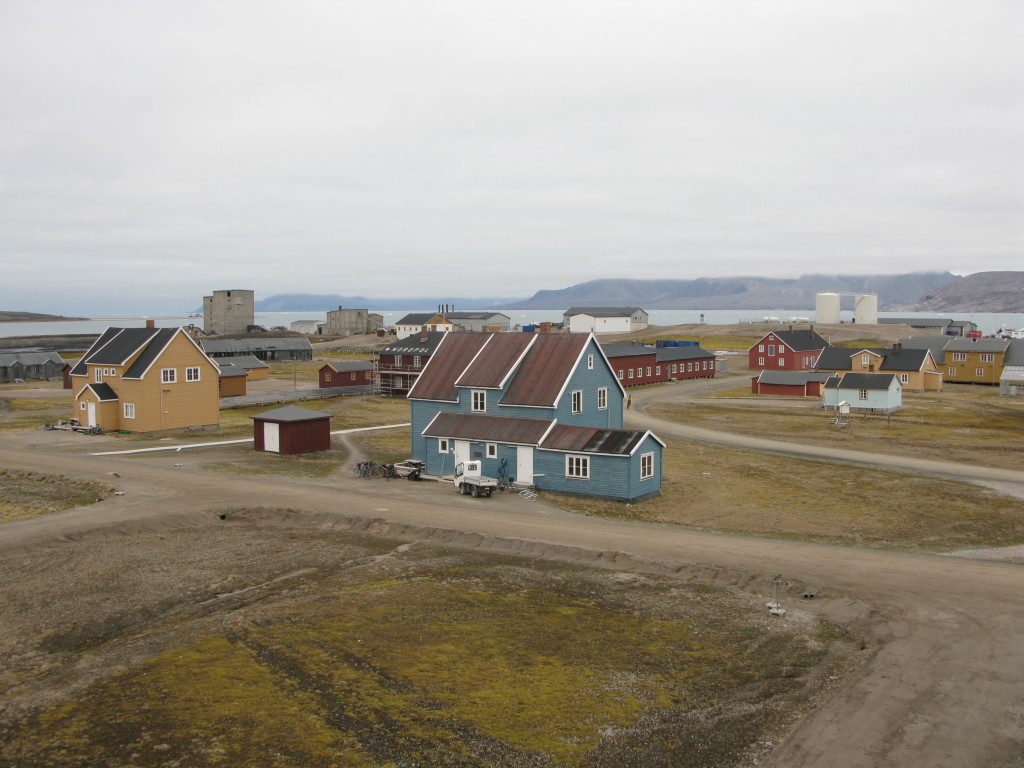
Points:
[(488, 429), (244, 346), (248, 362), (962, 344), (291, 413), (227, 370), (793, 378), (626, 349), (340, 366), (30, 358), (602, 311), (672, 354), (1015, 353), (861, 381)]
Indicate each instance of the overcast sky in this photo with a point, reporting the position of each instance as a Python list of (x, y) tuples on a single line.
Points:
[(151, 152)]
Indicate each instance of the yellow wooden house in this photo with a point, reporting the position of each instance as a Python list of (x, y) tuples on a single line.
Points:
[(145, 380)]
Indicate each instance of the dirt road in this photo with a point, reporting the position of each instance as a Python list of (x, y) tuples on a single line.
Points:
[(944, 685)]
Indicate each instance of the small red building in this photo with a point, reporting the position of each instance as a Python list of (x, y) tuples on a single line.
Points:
[(346, 373), (787, 351), (790, 383), (634, 363), (290, 430), (401, 362), (686, 363)]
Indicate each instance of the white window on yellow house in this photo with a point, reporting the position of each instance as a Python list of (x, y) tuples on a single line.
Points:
[(952, 370), (98, 375), (129, 410), (988, 357), (192, 374), (168, 375), (979, 372)]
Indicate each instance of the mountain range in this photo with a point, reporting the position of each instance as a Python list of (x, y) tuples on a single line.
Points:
[(911, 292)]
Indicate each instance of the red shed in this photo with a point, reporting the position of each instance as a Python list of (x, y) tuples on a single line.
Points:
[(291, 430)]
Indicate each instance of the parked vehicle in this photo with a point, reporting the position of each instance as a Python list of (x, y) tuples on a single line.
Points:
[(469, 479)]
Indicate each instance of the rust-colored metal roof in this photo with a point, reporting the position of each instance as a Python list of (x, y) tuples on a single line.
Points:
[(545, 369), (496, 361), (453, 354), (489, 429), (592, 440)]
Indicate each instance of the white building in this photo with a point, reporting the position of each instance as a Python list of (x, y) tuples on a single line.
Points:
[(604, 319)]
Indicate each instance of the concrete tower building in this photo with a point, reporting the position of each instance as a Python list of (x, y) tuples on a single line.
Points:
[(229, 311)]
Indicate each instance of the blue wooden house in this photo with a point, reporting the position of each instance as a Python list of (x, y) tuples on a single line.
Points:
[(545, 407)]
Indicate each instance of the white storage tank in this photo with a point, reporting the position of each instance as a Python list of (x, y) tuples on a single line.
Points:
[(865, 309), (826, 308)]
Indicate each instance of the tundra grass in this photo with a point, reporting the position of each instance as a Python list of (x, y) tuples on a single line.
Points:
[(29, 494), (385, 446), (973, 427), (480, 662), (731, 490), (22, 414), (244, 460)]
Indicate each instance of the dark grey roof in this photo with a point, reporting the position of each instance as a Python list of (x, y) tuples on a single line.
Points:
[(245, 346), (103, 391), (835, 359), (601, 311), (119, 349), (917, 322), (349, 365), (961, 344), (673, 354), (800, 341), (291, 413), (474, 315), (861, 381), (157, 344), (1015, 353), (30, 358), (412, 345), (227, 370), (935, 344), (626, 349), (793, 378), (79, 368), (904, 359), (243, 361), (418, 318)]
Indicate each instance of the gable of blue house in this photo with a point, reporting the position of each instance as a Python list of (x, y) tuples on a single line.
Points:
[(568, 382)]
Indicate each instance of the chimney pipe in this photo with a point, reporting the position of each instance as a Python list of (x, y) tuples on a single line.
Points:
[(810, 331)]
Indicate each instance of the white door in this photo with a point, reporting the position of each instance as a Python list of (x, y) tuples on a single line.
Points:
[(90, 415), (524, 464), (271, 437), (461, 451)]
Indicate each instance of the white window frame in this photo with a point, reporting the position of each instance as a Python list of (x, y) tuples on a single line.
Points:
[(865, 359), (602, 398), (619, 374), (99, 375), (782, 361), (760, 347), (657, 370), (760, 361), (988, 357), (979, 372), (590, 362), (959, 357), (862, 394), (479, 401), (577, 401), (398, 361), (129, 410), (771, 350), (417, 361), (192, 373), (168, 375), (81, 405), (952, 370), (442, 445), (648, 370), (492, 450), (646, 465), (675, 368), (631, 373), (577, 467), (904, 378)]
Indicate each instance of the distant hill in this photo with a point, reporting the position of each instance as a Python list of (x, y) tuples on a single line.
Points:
[(33, 317), (980, 292), (894, 291), (308, 302)]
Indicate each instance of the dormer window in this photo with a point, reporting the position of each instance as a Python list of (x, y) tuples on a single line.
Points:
[(479, 401)]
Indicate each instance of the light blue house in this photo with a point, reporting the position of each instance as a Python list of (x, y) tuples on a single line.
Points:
[(865, 392), (545, 408)]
